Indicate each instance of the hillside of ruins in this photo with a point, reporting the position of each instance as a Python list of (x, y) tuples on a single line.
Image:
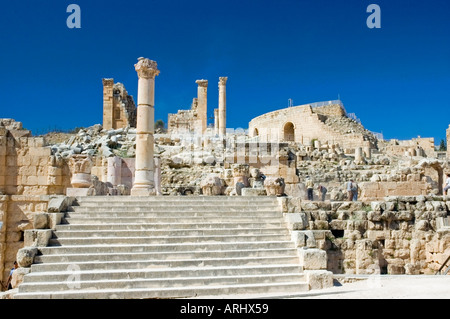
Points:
[(399, 221)]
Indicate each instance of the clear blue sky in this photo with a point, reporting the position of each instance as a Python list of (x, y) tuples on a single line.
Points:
[(396, 79)]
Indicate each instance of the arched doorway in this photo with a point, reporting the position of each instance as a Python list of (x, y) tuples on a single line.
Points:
[(255, 132), (289, 132)]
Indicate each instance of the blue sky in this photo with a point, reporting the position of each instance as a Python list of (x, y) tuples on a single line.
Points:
[(396, 79)]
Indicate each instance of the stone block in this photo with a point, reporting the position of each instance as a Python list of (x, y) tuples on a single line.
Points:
[(59, 204), (254, 192), (18, 275), (54, 219), (319, 279), (299, 238), (37, 237), (25, 256), (74, 192), (313, 258), (296, 221), (40, 221)]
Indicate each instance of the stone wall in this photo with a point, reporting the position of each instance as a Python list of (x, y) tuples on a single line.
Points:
[(415, 147), (16, 215), (307, 127), (27, 166), (119, 109), (401, 235)]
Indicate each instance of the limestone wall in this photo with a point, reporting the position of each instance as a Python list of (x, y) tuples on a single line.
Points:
[(401, 235), (119, 109), (16, 215), (308, 126)]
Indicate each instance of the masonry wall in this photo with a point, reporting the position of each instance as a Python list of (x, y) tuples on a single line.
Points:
[(307, 124), (119, 109), (16, 214), (401, 235)]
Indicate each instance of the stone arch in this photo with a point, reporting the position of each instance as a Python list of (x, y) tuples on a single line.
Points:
[(289, 132), (434, 172), (255, 132)]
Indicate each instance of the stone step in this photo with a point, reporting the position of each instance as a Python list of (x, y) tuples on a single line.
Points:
[(170, 232), (125, 199), (162, 213), (150, 220), (177, 204), (165, 239), (177, 292), (162, 273), (154, 248), (175, 209), (165, 255), (173, 226), (176, 263), (162, 283)]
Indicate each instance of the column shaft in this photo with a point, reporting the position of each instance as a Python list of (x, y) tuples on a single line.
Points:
[(144, 184)]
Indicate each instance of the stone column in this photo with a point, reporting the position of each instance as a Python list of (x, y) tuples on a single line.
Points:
[(216, 121), (144, 184), (202, 106), (358, 155), (222, 106)]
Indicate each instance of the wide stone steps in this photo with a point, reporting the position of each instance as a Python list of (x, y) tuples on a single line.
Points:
[(165, 255), (142, 264), (169, 232), (176, 247), (171, 226), (141, 283), (121, 274), (171, 292), (166, 247), (160, 239)]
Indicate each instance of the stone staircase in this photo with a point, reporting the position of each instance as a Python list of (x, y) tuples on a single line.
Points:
[(166, 247)]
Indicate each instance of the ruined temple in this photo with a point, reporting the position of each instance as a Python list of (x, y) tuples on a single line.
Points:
[(119, 110)]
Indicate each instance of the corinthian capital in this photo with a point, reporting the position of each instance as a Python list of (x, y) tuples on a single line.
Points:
[(146, 68), (223, 80), (202, 83)]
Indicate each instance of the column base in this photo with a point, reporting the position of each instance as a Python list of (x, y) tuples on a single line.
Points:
[(143, 192)]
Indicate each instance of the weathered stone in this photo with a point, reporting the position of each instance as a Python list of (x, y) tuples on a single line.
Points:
[(18, 275), (37, 238), (296, 221), (40, 221), (25, 256), (319, 279), (313, 259)]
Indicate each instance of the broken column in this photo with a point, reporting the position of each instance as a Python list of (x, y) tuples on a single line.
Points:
[(359, 155), (202, 106), (144, 184), (80, 167), (222, 106)]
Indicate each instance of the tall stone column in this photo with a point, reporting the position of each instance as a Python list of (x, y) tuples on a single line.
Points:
[(222, 106), (202, 106), (144, 183), (216, 121)]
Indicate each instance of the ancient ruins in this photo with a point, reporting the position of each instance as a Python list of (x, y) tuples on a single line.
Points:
[(398, 224)]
